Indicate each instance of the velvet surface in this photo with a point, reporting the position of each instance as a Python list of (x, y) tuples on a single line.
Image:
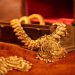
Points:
[(65, 66)]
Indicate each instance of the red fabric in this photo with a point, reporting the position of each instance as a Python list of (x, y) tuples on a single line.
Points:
[(65, 66), (63, 20), (51, 8)]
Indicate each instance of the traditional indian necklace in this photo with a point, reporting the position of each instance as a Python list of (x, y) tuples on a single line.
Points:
[(49, 47)]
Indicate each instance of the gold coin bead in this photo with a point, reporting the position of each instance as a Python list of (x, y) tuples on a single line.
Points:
[(13, 62)]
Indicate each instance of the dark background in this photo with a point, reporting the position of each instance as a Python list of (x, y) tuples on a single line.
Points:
[(10, 9)]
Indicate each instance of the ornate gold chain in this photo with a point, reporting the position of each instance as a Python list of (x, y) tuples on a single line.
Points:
[(13, 62), (49, 47)]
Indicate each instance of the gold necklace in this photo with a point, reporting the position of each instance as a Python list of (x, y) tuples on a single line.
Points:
[(49, 47)]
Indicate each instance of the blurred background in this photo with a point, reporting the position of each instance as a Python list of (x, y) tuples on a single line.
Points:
[(10, 9)]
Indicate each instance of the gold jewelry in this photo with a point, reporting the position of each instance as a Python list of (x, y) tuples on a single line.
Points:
[(24, 20), (13, 62), (18, 29), (49, 47), (38, 17)]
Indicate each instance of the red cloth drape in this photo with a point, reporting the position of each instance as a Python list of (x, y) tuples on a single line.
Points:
[(65, 66), (51, 8)]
